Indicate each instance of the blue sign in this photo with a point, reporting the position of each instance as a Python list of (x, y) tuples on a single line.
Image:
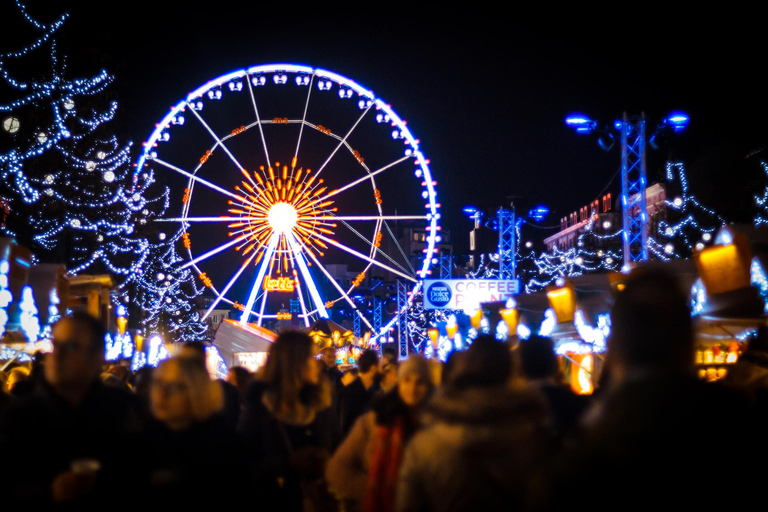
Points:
[(439, 294)]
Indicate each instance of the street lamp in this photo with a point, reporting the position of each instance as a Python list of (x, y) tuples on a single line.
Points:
[(633, 175)]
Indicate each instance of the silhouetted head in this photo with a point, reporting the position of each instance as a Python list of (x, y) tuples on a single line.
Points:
[(368, 361), (537, 357), (485, 363), (651, 324), (78, 352)]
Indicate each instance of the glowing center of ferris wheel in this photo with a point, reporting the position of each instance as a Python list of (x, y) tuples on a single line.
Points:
[(282, 217)]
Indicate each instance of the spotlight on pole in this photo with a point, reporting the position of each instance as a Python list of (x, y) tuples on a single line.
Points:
[(581, 123)]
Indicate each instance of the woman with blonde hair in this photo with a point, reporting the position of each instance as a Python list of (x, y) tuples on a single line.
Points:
[(192, 451), (289, 425)]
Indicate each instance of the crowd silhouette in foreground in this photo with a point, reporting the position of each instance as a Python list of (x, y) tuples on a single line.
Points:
[(493, 428)]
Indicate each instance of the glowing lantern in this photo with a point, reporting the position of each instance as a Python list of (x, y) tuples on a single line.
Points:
[(581, 376), (476, 318), (139, 342), (434, 334), (724, 268), (563, 301), (510, 318), (122, 322), (451, 329)]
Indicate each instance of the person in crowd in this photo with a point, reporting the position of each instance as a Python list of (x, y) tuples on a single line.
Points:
[(35, 376), (241, 378), (289, 426), (650, 438), (388, 355), (348, 377), (16, 377), (540, 370), (232, 398), (330, 368), (389, 376), (363, 472), (191, 454), (142, 382), (76, 428), (481, 439), (356, 397)]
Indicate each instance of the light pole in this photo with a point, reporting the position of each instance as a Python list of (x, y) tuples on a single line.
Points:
[(633, 174)]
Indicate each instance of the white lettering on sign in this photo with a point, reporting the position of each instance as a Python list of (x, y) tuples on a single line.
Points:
[(467, 294)]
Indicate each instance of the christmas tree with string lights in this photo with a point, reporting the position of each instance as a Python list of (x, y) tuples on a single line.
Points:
[(68, 190), (166, 293)]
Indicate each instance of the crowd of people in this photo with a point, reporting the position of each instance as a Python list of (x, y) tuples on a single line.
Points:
[(492, 428)]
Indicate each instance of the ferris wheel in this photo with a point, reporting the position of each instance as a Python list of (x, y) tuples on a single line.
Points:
[(298, 191)]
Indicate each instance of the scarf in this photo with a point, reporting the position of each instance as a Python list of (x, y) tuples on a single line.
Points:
[(385, 465)]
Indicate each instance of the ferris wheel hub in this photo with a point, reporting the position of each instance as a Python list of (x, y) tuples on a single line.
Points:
[(282, 217)]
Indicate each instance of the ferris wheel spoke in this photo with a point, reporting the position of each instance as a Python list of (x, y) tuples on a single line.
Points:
[(338, 288), (258, 121), (343, 141), (303, 120), (197, 179), (265, 263), (214, 251), (223, 146), (229, 284), (191, 189), (376, 249), (375, 218), (205, 219), (397, 244), (364, 178), (364, 257), (301, 302), (296, 248)]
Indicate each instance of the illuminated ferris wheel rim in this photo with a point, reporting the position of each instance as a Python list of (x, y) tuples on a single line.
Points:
[(394, 119)]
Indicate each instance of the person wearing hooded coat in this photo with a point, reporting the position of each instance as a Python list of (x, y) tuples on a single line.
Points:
[(481, 440)]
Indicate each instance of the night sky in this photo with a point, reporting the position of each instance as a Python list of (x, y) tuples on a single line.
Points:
[(485, 93)]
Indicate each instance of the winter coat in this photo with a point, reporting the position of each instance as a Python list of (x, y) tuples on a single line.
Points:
[(476, 450), (198, 465), (659, 438), (285, 455), (41, 435), (377, 437)]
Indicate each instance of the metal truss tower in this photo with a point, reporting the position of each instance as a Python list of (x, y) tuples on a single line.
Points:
[(356, 324), (633, 183), (445, 265), (506, 243), (377, 319), (402, 318)]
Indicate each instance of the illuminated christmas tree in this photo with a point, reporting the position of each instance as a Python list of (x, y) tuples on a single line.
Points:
[(67, 187), (165, 294)]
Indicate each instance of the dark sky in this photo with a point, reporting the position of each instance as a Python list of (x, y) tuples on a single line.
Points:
[(485, 93)]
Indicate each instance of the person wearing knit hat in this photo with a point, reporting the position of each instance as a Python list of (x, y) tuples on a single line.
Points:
[(363, 472)]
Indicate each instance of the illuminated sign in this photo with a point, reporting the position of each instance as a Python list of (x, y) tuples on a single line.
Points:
[(467, 294), (281, 284)]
